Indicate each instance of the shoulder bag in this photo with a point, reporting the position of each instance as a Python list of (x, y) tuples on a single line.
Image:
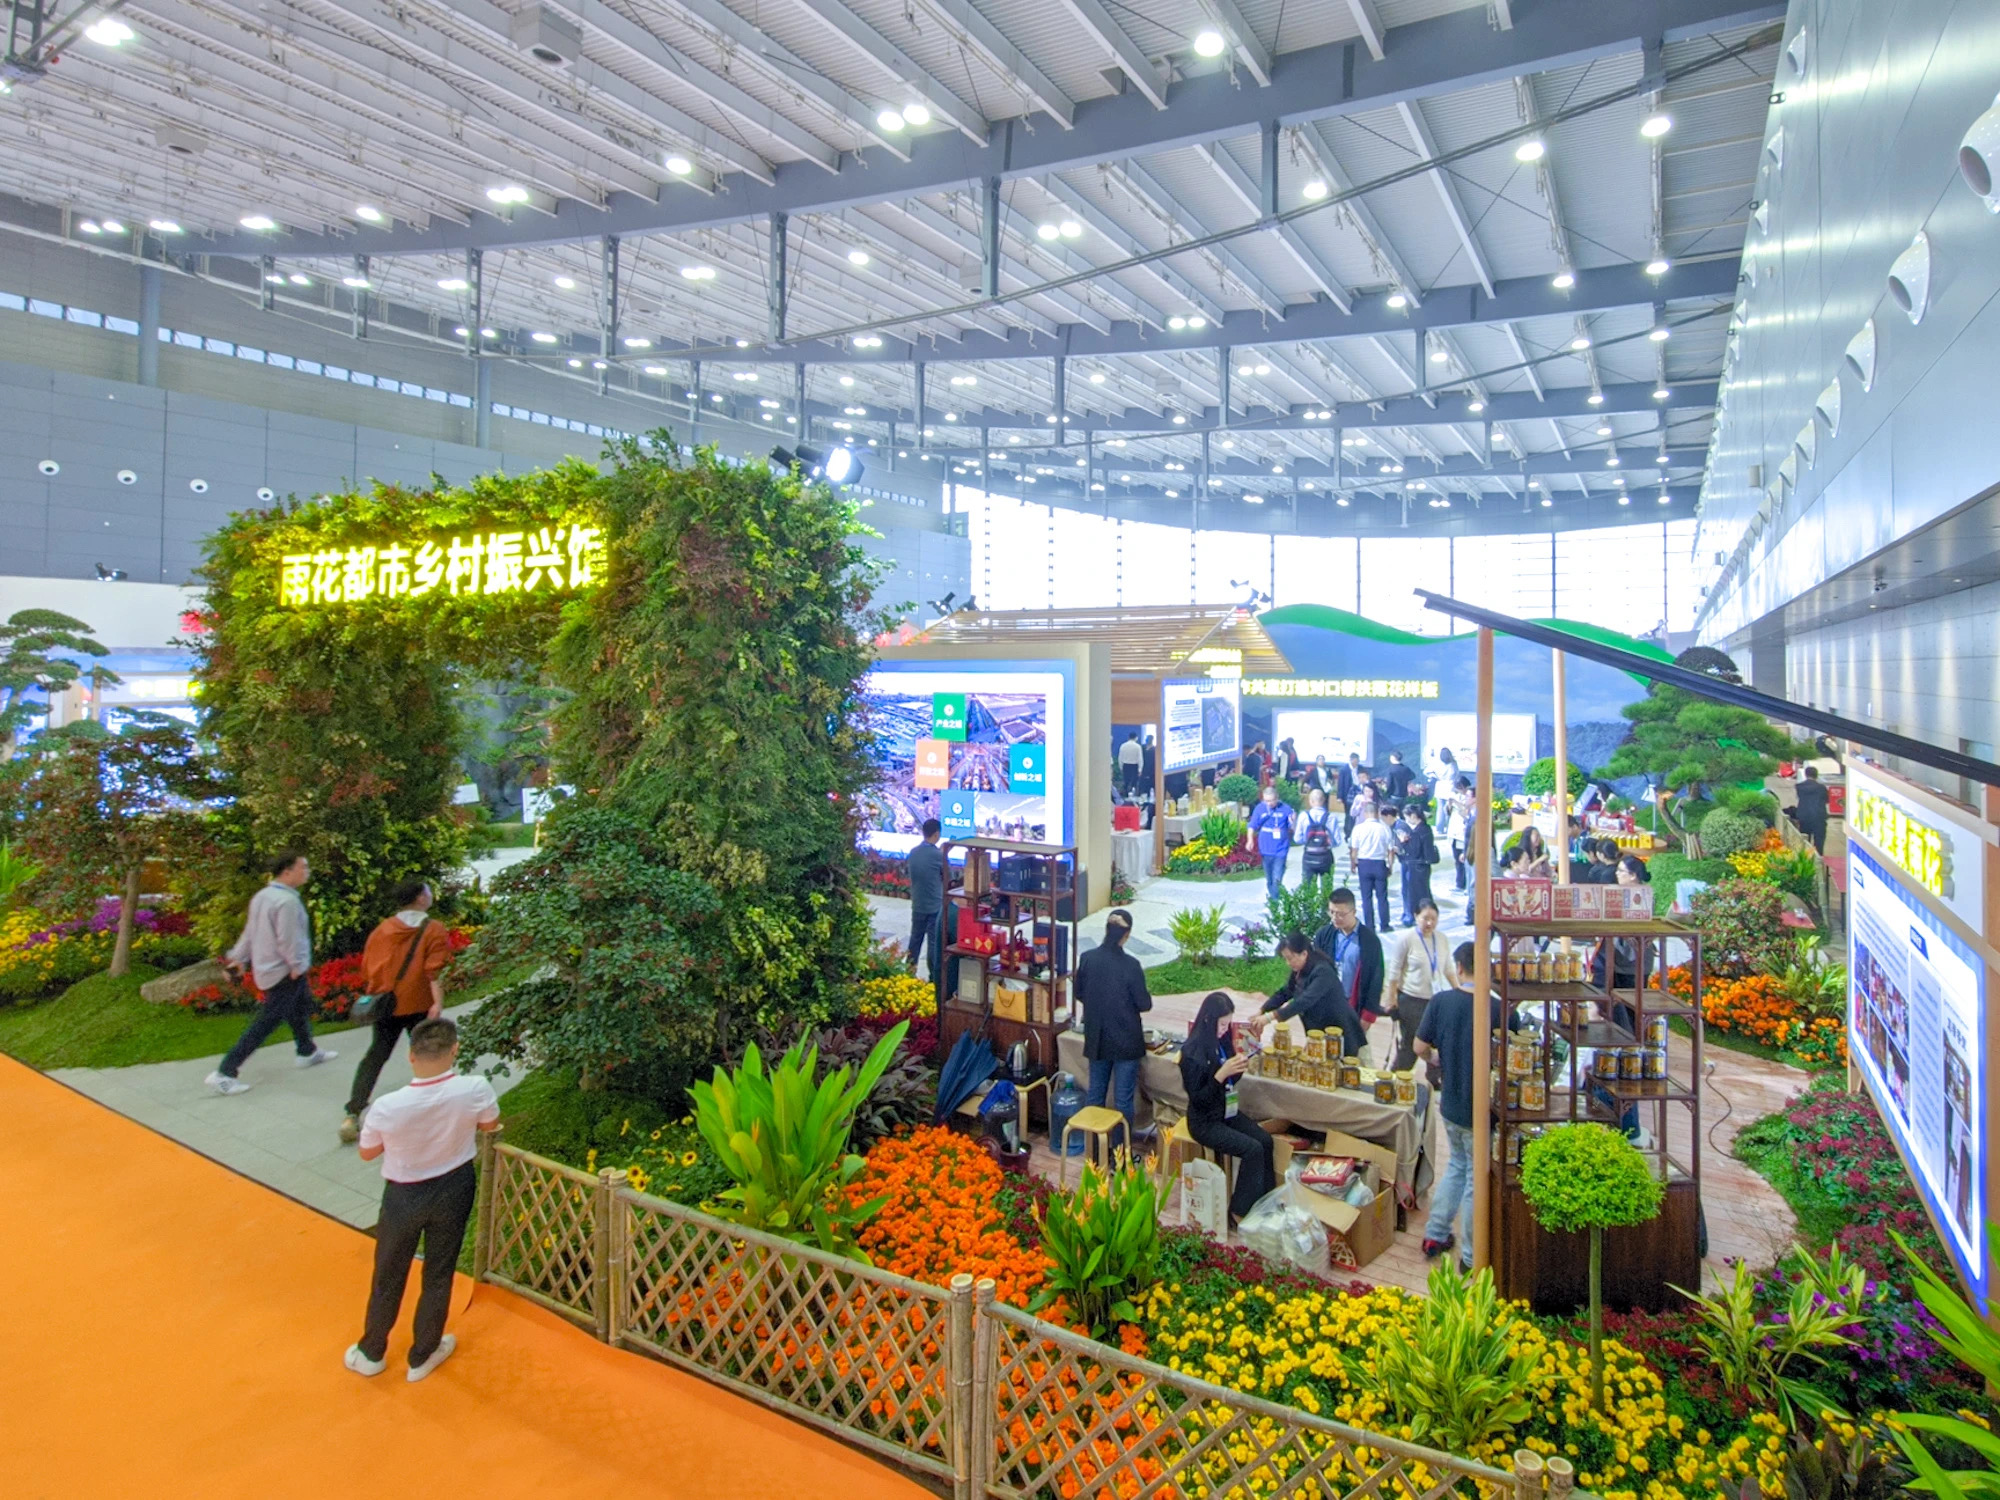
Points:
[(369, 1010)]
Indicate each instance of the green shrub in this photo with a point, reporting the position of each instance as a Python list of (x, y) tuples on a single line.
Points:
[(1539, 780), (1966, 1336), (1301, 908), (166, 953), (1742, 923), (783, 1137), (1724, 833), (1222, 829), (1668, 868), (1290, 793), (1197, 931), (1760, 1355), (1453, 1375), (1750, 802), (1102, 1241), (1236, 787)]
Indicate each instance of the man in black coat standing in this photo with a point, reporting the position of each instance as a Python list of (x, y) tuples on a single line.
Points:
[(1356, 953), (1399, 777), (1111, 987), (1416, 852), (1813, 795)]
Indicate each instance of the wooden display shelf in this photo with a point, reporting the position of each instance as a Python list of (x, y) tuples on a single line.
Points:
[(977, 977)]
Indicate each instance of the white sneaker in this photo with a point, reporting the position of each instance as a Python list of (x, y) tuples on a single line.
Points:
[(320, 1055), (438, 1356), (220, 1082), (1643, 1139), (361, 1364)]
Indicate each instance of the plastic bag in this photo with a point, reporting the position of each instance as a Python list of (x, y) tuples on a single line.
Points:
[(1205, 1197), (1278, 1229), (1359, 1194)]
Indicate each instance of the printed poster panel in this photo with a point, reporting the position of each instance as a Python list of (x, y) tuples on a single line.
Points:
[(1203, 722)]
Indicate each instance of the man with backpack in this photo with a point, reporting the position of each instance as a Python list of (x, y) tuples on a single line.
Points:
[(404, 959), (1316, 837)]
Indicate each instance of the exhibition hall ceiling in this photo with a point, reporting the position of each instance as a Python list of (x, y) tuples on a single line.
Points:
[(1433, 251)]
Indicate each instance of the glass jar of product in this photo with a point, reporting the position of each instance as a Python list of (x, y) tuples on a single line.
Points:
[(1520, 1054), (1315, 1045), (1350, 1072), (1385, 1088), (1534, 1094), (1406, 1088)]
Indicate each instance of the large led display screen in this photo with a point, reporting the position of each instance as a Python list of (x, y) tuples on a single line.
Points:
[(1202, 722), (1513, 742), (1916, 1017), (1333, 732), (984, 747)]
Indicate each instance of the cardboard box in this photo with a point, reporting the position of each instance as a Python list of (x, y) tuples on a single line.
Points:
[(1518, 900), (1628, 903), (1280, 1132), (1579, 902), (1367, 1231)]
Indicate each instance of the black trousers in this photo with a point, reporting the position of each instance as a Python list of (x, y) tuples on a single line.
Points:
[(1256, 1157), (1416, 887), (1129, 778), (1409, 1016), (434, 1211), (1815, 829), (926, 926), (381, 1047), (289, 1001)]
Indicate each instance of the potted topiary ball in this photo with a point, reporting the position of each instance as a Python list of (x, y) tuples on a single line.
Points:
[(1588, 1176)]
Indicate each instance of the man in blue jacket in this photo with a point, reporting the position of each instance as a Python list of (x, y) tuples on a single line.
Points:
[(1271, 827)]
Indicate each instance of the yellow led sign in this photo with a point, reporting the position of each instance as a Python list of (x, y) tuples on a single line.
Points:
[(1339, 687), (551, 559), (1917, 849)]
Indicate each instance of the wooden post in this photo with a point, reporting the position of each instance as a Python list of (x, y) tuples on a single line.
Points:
[(1528, 1474), (1159, 779), (1562, 777), (985, 1377), (603, 1210), (1482, 969), (958, 1348), (482, 1209)]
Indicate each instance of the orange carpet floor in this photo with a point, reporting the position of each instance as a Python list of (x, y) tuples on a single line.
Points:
[(168, 1329)]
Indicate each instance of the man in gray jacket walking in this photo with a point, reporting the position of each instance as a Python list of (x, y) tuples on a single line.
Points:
[(276, 947)]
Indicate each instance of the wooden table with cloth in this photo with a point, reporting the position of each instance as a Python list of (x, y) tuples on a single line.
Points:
[(1403, 1128)]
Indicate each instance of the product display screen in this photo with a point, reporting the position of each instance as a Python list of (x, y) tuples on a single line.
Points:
[(984, 751), (1513, 742), (1335, 733), (1203, 722), (1916, 1017)]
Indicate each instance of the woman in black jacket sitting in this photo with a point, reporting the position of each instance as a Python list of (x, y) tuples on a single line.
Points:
[(1207, 1072), (1313, 994)]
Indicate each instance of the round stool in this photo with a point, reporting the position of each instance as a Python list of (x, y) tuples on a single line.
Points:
[(1097, 1124)]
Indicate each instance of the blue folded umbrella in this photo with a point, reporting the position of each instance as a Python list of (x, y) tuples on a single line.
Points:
[(971, 1063)]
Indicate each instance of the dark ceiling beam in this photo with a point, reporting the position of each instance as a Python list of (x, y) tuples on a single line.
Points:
[(1446, 54)]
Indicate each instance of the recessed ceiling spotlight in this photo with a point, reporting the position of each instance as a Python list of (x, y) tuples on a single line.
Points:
[(163, 226), (566, 283), (656, 369), (452, 283), (916, 115), (1659, 333), (1562, 281), (1475, 406), (634, 343), (1070, 229), (1197, 321), (1177, 322), (89, 226), (1179, 420), (1531, 150), (1209, 43), (1658, 266), (1398, 301), (599, 364), (698, 273), (1656, 126), (1097, 377), (368, 214), (891, 121), (1439, 356), (1605, 430), (109, 32), (1595, 398), (258, 222), (680, 166), (507, 194), (1580, 342), (298, 280), (857, 257), (1314, 190), (543, 338), (575, 364), (1048, 231), (358, 283), (1660, 393)]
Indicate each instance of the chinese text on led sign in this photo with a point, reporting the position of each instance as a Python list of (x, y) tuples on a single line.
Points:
[(551, 559), (1339, 687), (1914, 847)]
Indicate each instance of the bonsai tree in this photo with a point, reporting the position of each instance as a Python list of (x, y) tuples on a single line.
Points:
[(29, 641), (93, 807), (1590, 1177), (1700, 749)]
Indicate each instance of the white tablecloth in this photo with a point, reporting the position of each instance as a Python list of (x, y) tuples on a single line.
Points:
[(1184, 827), (1132, 854)]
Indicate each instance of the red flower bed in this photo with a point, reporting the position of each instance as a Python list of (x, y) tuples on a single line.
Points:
[(335, 984)]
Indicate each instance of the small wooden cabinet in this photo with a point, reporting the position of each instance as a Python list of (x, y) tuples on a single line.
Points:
[(1580, 1020), (1022, 898)]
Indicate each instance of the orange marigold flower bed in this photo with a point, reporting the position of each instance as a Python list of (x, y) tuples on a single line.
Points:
[(942, 1217)]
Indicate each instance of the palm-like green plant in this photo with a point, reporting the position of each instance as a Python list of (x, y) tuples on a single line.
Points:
[(1765, 1355), (1454, 1374), (1101, 1241), (15, 871), (1225, 830), (784, 1137), (1971, 1340), (1196, 931)]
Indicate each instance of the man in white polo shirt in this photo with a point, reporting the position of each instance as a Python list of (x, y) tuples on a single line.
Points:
[(425, 1133)]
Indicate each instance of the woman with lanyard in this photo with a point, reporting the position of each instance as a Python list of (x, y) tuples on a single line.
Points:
[(1419, 967)]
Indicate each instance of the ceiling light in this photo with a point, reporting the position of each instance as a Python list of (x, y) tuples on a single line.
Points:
[(680, 166), (638, 343), (698, 273), (1546, 502), (1531, 150), (576, 364), (1263, 369), (1658, 333), (1173, 494), (1179, 420), (857, 257), (745, 343), (1595, 398), (259, 222), (1439, 356), (1315, 189), (747, 376), (89, 226), (1047, 231), (951, 416), (109, 32), (368, 214), (1070, 229), (452, 284), (298, 280), (112, 226), (1277, 468), (1611, 462), (891, 120), (1197, 321), (1660, 393), (598, 364), (543, 338), (1665, 498), (1097, 377), (1624, 499), (1580, 342), (1656, 126), (865, 341), (1605, 430), (506, 194), (916, 115), (1209, 43), (1253, 499), (163, 226), (1177, 322), (359, 283), (656, 369), (1398, 301), (1475, 406), (1562, 281), (965, 380), (1658, 266), (566, 283), (275, 279), (1340, 500), (1662, 458)]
